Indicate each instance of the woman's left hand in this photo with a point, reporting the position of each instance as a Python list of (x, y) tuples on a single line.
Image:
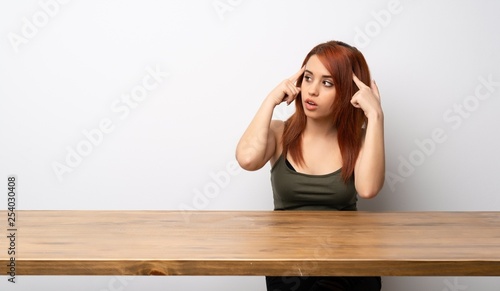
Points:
[(367, 98)]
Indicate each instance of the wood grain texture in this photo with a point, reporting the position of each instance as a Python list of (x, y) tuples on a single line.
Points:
[(298, 243)]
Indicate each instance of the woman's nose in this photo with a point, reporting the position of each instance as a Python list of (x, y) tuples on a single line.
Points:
[(313, 89)]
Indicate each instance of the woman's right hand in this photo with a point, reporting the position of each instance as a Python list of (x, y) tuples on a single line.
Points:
[(287, 90)]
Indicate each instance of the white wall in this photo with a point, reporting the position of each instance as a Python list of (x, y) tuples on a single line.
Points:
[(201, 69)]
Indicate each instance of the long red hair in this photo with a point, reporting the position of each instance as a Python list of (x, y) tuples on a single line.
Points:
[(341, 60)]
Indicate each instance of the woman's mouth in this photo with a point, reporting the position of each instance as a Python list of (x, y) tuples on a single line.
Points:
[(310, 105)]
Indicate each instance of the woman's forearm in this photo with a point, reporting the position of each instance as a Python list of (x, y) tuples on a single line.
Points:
[(370, 167)]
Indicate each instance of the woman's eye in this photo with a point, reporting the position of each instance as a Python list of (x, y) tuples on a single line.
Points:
[(307, 78), (328, 83)]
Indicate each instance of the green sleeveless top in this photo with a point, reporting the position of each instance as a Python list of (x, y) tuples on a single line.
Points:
[(297, 191)]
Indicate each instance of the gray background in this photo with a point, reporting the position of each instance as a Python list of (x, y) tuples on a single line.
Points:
[(65, 65)]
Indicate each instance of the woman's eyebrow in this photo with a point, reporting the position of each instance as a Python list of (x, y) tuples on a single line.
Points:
[(324, 76)]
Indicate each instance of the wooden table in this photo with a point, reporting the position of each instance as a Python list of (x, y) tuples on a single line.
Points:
[(292, 243)]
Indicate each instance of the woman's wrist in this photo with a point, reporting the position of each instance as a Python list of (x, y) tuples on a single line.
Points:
[(376, 115)]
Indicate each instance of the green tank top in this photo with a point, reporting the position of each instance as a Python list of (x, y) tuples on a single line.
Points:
[(297, 191)]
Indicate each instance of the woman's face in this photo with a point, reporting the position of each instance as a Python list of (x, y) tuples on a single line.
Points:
[(318, 90)]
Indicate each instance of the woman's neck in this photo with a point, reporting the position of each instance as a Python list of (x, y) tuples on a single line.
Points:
[(319, 128)]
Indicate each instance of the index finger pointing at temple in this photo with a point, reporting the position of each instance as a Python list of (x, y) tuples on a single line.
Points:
[(375, 90), (358, 82), (296, 76)]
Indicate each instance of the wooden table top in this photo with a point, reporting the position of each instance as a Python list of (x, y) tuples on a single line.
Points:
[(288, 243)]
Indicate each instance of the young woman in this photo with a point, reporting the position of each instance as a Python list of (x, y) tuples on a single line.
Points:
[(330, 151)]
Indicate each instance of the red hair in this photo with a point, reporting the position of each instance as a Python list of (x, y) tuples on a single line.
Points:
[(341, 60)]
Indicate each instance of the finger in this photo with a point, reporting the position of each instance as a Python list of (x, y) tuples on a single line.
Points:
[(291, 93), (375, 90), (293, 89), (297, 75), (358, 81), (355, 103), (288, 89)]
